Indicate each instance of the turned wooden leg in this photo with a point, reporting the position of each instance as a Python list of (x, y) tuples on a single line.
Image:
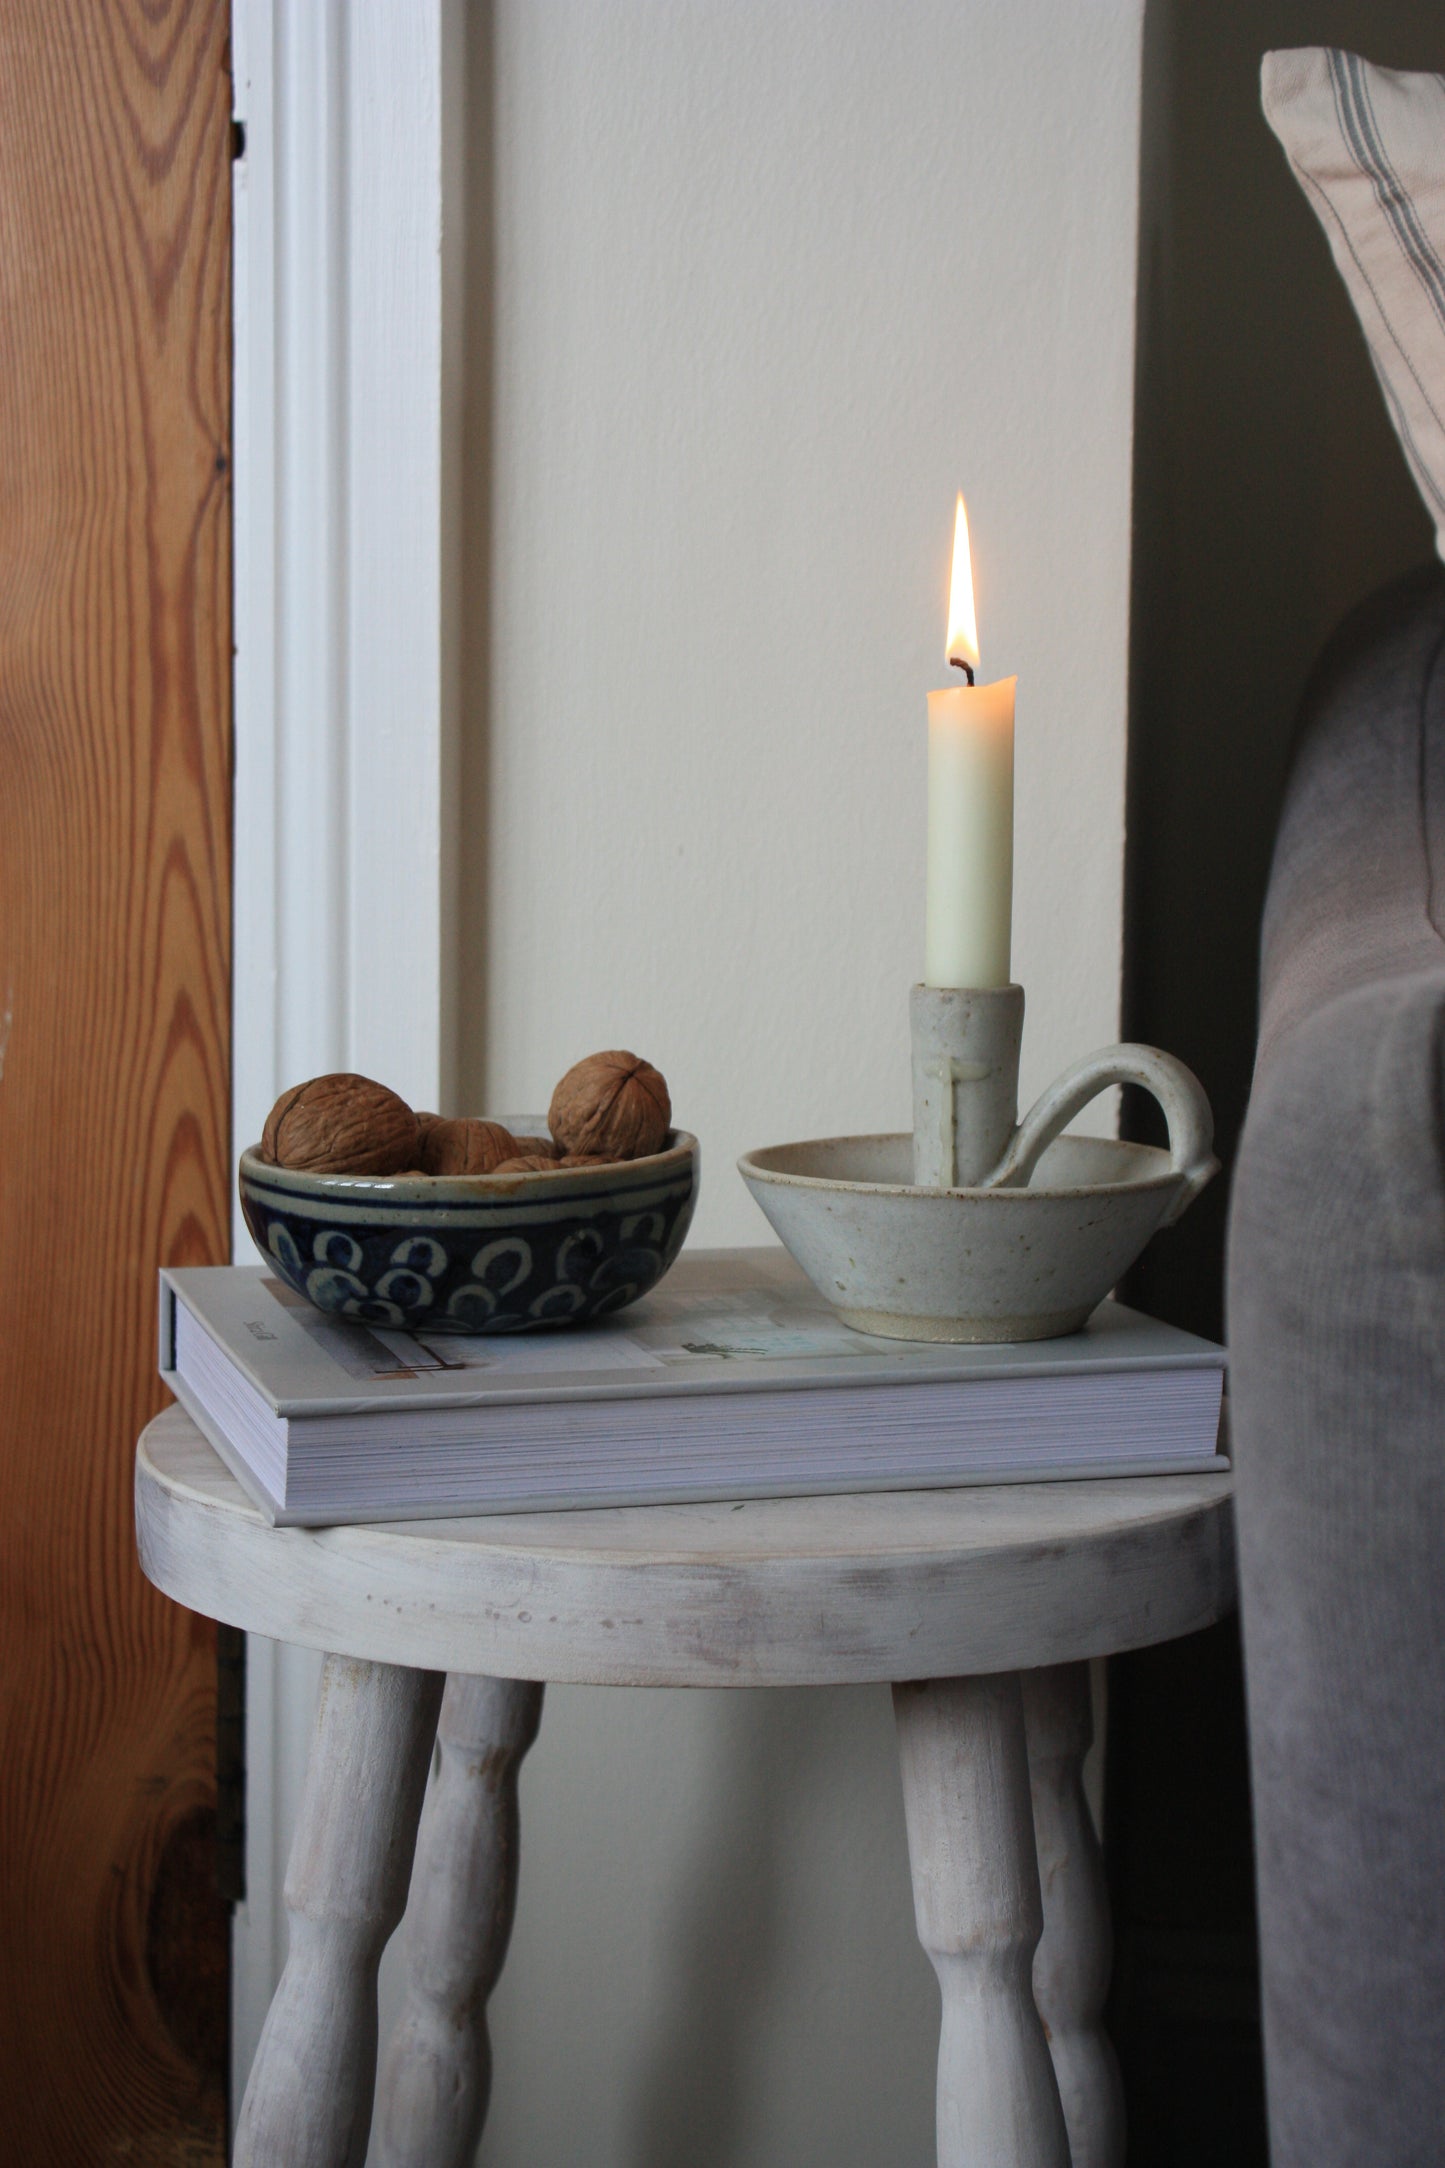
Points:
[(976, 1895), (1071, 1964), (437, 2070), (308, 2102)]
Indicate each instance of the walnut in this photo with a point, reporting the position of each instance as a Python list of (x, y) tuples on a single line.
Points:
[(585, 1159), (341, 1125), (528, 1162), (465, 1146), (614, 1104)]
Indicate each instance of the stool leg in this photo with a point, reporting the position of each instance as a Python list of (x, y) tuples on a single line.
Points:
[(1071, 1964), (976, 1896), (436, 2074), (308, 2102)]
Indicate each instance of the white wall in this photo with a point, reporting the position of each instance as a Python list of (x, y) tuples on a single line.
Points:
[(757, 285), (772, 278)]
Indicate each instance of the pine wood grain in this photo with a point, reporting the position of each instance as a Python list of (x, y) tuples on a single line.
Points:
[(114, 1047)]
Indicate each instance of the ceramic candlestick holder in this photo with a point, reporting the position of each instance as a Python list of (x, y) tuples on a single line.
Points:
[(966, 1044), (976, 1226)]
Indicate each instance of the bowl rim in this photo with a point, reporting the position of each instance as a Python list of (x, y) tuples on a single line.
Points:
[(680, 1150), (751, 1172)]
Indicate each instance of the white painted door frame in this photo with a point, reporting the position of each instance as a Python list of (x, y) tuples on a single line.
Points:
[(346, 430)]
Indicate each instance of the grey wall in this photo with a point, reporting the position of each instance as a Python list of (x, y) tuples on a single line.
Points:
[(1270, 497)]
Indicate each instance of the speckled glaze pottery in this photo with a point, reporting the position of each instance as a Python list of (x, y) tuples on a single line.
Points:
[(978, 1226), (475, 1253), (1001, 1264)]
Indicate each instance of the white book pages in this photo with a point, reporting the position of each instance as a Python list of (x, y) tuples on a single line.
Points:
[(733, 1379)]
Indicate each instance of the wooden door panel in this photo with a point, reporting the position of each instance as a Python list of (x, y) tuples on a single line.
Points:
[(115, 661)]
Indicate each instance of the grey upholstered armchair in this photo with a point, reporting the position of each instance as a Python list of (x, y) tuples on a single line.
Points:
[(1337, 1330)]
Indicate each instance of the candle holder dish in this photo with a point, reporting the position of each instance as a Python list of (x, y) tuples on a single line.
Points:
[(475, 1253), (976, 1226)]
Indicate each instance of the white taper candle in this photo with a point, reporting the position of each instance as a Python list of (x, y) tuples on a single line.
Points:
[(969, 908)]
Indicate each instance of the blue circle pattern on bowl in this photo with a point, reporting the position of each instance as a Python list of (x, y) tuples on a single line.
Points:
[(514, 1262)]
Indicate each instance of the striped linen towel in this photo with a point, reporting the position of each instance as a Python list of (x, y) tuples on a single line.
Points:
[(1368, 148)]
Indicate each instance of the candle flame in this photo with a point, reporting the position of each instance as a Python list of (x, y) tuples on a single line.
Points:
[(962, 622)]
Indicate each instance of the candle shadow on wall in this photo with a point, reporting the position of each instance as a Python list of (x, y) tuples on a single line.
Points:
[(1270, 497), (471, 364)]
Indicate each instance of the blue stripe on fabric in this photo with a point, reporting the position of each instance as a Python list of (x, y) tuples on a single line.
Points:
[(1347, 243), (1328, 214), (1394, 199)]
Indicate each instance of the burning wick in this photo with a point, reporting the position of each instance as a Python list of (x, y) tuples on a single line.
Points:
[(962, 624)]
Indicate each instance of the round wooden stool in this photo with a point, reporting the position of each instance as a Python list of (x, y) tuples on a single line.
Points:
[(982, 1607)]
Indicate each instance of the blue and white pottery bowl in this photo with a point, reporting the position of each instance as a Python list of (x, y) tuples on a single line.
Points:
[(474, 1253)]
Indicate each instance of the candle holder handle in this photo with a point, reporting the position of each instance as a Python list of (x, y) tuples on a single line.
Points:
[(1177, 1089)]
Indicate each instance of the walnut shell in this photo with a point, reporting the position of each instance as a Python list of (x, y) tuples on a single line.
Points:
[(341, 1125), (585, 1159), (466, 1146), (614, 1104), (528, 1163)]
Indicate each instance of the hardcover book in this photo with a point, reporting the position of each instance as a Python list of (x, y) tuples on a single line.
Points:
[(732, 1379)]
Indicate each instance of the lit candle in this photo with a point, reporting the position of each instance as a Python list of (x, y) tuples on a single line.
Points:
[(970, 806)]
